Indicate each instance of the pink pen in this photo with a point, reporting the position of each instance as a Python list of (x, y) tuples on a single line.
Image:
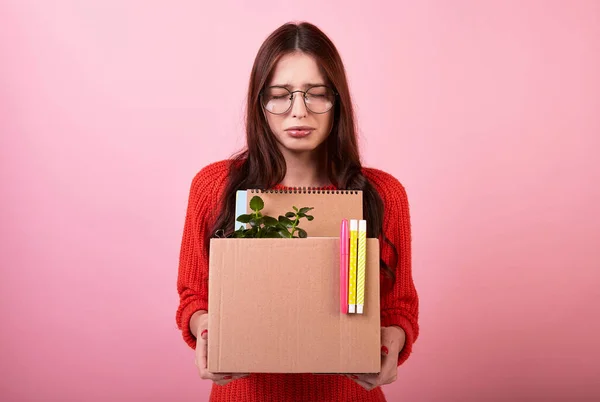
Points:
[(344, 240)]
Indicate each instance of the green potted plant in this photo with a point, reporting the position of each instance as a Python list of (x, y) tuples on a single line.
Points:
[(264, 226)]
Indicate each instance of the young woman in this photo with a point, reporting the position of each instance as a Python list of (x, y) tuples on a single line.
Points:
[(300, 132)]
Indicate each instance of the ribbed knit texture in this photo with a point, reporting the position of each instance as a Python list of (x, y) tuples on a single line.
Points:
[(399, 303)]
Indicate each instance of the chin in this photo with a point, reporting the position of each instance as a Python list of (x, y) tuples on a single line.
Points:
[(298, 149), (302, 145)]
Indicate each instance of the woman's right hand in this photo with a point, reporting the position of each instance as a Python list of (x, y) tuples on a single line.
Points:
[(201, 323)]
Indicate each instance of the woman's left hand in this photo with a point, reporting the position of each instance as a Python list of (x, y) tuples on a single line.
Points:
[(392, 342)]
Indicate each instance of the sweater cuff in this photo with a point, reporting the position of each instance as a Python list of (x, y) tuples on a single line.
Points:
[(389, 318), (186, 315)]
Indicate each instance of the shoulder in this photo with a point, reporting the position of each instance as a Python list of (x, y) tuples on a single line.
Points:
[(210, 180), (396, 209), (213, 172), (388, 186)]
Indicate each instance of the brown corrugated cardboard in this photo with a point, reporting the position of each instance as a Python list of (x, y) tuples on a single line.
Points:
[(274, 307)]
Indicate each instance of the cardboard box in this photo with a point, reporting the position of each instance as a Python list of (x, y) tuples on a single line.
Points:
[(274, 307)]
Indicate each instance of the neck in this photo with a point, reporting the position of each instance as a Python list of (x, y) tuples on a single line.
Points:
[(305, 169)]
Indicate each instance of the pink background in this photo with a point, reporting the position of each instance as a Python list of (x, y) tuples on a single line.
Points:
[(487, 111)]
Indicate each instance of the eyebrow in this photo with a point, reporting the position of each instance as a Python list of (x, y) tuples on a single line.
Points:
[(307, 85)]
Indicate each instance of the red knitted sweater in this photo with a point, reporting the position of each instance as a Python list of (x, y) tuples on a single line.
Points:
[(399, 302)]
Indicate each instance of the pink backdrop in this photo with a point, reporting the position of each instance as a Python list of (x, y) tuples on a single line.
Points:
[(486, 111)]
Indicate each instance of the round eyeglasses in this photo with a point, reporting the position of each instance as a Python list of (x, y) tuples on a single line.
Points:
[(278, 100)]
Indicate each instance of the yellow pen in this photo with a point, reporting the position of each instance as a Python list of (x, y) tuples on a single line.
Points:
[(352, 267), (361, 266)]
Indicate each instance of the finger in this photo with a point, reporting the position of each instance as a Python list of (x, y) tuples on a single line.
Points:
[(371, 378), (201, 349), (389, 369), (203, 340), (226, 379), (223, 382), (366, 385), (364, 380), (207, 375)]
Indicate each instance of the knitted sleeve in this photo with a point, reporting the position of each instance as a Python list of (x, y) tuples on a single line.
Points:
[(399, 302), (192, 279)]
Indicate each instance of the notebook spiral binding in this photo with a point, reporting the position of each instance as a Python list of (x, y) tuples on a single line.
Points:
[(303, 190)]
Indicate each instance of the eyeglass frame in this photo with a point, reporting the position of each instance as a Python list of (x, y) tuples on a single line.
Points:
[(293, 98)]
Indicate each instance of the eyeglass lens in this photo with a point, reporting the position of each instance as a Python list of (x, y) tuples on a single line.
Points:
[(278, 100)]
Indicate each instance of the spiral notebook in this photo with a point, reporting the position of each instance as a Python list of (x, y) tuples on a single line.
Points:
[(330, 207)]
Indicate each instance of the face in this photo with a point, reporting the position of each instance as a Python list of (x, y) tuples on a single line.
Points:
[(299, 129)]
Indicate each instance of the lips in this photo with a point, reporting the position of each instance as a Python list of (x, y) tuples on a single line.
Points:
[(299, 132)]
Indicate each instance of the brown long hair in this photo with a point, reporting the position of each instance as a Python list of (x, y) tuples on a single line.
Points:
[(261, 164)]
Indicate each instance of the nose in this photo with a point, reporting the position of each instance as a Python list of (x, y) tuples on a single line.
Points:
[(298, 106)]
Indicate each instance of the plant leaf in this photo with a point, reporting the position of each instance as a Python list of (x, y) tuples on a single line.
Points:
[(257, 203), (245, 218), (255, 222), (285, 221), (284, 233), (266, 230), (263, 226), (269, 221)]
